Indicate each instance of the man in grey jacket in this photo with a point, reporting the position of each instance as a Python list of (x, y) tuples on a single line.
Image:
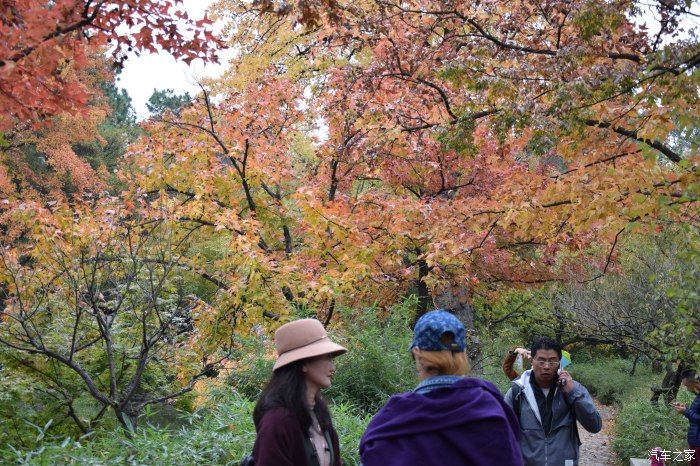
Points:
[(548, 402)]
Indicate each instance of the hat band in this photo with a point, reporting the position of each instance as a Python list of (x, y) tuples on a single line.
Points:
[(305, 344)]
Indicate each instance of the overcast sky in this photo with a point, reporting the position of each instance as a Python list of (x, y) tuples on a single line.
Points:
[(144, 74)]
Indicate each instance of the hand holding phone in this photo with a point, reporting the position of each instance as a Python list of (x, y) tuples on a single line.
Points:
[(679, 407), (565, 381)]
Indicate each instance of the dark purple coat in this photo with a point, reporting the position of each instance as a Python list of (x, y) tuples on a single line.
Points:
[(467, 423), (280, 441)]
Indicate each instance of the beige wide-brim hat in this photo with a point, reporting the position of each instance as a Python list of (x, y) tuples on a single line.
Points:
[(301, 339)]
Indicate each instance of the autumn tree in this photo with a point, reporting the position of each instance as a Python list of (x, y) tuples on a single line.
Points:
[(85, 315), (457, 152), (114, 133), (56, 68), (98, 312), (473, 143), (243, 147), (45, 46)]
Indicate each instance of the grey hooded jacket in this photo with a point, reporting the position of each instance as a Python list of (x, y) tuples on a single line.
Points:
[(560, 447)]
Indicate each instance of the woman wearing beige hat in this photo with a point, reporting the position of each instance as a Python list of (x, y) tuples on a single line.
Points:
[(292, 421)]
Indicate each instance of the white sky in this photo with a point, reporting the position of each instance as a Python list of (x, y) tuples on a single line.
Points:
[(145, 73)]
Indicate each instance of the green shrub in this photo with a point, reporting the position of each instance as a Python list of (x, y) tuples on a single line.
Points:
[(609, 380), (641, 426), (252, 370), (221, 434), (350, 424), (378, 363)]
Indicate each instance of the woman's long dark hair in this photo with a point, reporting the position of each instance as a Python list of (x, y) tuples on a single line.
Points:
[(287, 389)]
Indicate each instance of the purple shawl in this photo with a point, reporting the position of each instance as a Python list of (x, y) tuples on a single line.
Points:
[(467, 423)]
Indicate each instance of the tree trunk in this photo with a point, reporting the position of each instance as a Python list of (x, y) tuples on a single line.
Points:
[(675, 383), (128, 411), (128, 418), (422, 291), (669, 385), (634, 364), (561, 324), (456, 300)]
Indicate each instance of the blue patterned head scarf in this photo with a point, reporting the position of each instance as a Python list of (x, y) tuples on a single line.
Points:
[(432, 325)]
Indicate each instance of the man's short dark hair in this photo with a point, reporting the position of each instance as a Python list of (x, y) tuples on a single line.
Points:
[(689, 374), (545, 343)]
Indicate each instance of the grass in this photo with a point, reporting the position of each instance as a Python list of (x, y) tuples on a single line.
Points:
[(609, 380), (221, 433), (642, 426)]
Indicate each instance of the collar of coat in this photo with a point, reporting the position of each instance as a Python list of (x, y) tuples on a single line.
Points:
[(524, 383)]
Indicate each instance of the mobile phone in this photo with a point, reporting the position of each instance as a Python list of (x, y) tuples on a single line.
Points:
[(561, 381)]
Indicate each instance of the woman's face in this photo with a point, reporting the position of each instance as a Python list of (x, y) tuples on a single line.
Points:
[(319, 371)]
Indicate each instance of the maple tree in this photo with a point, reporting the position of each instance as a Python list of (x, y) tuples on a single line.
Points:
[(60, 114), (56, 61), (72, 156), (45, 45), (466, 144), (97, 309), (118, 129), (227, 169)]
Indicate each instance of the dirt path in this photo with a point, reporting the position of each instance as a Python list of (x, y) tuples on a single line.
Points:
[(596, 449)]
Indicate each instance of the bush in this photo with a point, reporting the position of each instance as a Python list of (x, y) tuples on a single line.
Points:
[(221, 436), (609, 380), (252, 369), (378, 363), (350, 424), (221, 433), (642, 426)]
